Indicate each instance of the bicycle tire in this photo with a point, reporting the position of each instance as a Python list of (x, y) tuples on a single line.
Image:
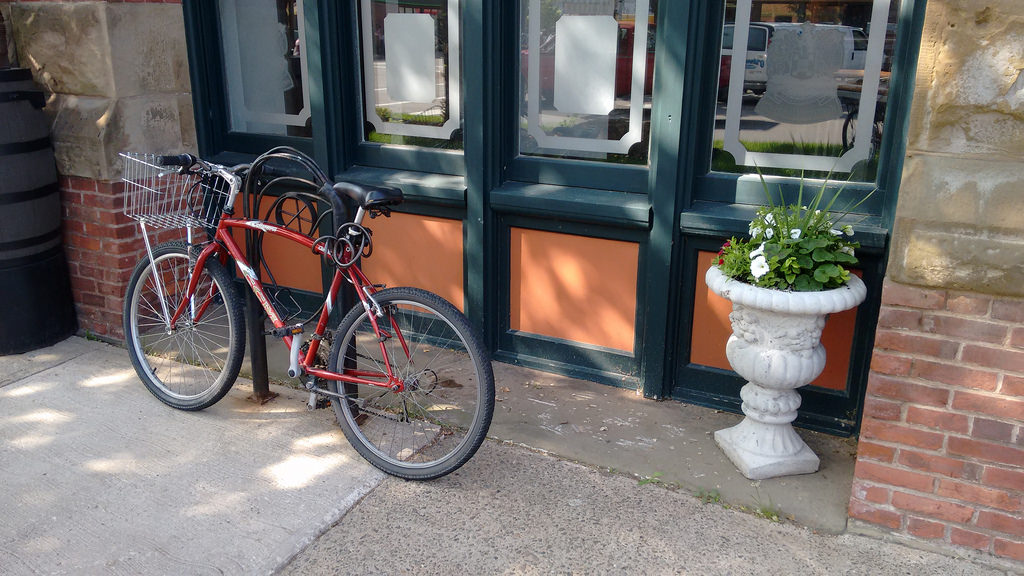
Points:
[(850, 132), (849, 129), (440, 420), (194, 366)]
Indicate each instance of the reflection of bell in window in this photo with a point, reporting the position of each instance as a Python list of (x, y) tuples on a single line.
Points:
[(802, 62)]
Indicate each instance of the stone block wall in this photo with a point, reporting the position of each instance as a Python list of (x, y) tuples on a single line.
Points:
[(117, 79), (941, 452)]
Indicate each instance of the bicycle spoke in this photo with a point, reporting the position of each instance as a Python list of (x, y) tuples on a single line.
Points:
[(196, 359), (437, 416), (369, 354)]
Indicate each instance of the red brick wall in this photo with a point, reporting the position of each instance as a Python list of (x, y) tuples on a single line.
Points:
[(941, 453), (102, 247)]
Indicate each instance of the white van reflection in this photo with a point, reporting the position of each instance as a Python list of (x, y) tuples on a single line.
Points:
[(759, 36)]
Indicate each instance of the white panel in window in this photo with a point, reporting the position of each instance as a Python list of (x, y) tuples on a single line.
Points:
[(264, 65), (409, 57), (585, 64), (804, 71)]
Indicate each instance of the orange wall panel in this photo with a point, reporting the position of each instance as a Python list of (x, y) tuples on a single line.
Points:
[(293, 265), (419, 251), (574, 287), (711, 330), (408, 250), (838, 340)]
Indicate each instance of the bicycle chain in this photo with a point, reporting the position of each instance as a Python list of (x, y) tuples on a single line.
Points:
[(322, 354)]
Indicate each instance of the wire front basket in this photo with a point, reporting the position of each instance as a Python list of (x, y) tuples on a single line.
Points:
[(160, 197)]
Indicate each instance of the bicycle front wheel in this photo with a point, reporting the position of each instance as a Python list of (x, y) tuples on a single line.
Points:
[(194, 363), (441, 417)]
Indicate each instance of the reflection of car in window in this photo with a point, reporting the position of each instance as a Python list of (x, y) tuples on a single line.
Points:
[(759, 37), (623, 62)]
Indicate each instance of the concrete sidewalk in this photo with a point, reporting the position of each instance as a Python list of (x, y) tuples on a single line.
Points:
[(615, 429), (514, 511), (98, 477)]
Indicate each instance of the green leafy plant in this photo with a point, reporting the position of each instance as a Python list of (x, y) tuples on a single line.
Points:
[(709, 496), (768, 512), (794, 246)]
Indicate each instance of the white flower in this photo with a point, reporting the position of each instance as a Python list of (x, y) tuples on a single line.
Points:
[(847, 250), (836, 232), (769, 218), (769, 233), (848, 230), (754, 230), (795, 233), (758, 252), (759, 267)]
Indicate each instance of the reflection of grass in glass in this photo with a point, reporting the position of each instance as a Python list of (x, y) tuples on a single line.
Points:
[(422, 119), (722, 161), (405, 118), (416, 141), (570, 127), (638, 159)]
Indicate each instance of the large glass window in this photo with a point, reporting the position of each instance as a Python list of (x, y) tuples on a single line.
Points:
[(586, 71), (264, 66), (809, 94), (411, 60)]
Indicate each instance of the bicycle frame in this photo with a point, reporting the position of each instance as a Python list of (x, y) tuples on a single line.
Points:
[(364, 289)]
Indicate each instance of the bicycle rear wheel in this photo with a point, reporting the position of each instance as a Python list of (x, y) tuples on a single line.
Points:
[(193, 365), (437, 423), (850, 132)]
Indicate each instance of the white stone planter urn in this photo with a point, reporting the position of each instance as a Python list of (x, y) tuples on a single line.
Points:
[(776, 346)]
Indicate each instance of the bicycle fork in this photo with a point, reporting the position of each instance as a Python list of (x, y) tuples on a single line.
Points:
[(158, 280)]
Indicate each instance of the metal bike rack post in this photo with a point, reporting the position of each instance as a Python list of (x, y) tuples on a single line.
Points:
[(257, 340)]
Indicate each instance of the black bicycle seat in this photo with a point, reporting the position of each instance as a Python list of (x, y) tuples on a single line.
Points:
[(369, 197)]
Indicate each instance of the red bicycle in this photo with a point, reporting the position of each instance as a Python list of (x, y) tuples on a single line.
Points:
[(407, 376)]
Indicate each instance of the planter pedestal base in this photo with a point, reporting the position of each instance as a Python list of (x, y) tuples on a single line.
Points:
[(761, 451), (776, 346)]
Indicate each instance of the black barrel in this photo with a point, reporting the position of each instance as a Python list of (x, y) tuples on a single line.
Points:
[(36, 308)]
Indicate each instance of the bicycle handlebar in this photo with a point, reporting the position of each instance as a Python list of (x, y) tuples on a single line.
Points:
[(236, 175), (183, 160)]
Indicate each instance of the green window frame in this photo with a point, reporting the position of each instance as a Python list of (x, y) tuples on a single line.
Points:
[(206, 63), (568, 173), (342, 41)]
